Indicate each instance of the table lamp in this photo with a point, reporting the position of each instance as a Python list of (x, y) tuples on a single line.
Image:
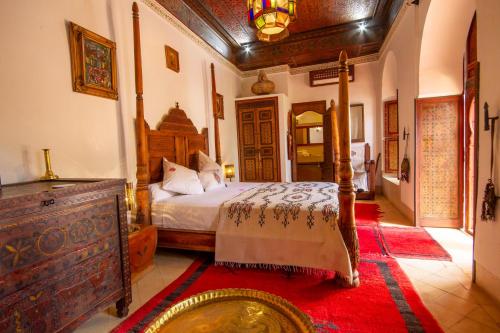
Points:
[(229, 171)]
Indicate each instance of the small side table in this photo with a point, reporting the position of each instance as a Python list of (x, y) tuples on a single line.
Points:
[(142, 248)]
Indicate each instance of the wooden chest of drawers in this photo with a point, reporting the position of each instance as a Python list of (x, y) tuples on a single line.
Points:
[(63, 253)]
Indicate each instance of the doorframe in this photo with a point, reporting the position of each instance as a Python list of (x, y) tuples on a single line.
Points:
[(275, 102), (298, 109)]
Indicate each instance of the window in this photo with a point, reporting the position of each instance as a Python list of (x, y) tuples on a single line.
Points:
[(391, 137)]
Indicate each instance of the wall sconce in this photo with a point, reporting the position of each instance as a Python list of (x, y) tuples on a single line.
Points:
[(229, 171)]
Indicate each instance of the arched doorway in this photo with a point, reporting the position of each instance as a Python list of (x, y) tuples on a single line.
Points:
[(442, 116)]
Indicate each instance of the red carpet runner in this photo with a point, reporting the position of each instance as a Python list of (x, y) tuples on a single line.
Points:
[(385, 301), (409, 242)]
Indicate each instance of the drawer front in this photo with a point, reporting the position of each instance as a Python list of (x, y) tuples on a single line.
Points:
[(48, 202), (52, 304), (49, 239)]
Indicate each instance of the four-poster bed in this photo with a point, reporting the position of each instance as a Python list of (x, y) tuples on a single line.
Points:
[(178, 140)]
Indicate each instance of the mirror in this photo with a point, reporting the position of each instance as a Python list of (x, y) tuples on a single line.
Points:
[(357, 123)]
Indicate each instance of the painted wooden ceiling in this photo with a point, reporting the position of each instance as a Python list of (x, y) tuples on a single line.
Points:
[(322, 29)]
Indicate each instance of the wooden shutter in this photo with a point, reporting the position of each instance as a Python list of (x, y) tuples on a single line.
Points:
[(391, 137)]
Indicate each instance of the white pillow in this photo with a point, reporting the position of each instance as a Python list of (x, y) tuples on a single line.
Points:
[(211, 180), (156, 193), (179, 179), (205, 164)]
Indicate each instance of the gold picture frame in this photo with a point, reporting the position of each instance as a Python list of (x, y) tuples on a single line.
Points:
[(93, 63), (172, 57)]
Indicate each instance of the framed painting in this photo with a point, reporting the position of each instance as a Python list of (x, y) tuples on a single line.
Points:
[(220, 106), (172, 59), (93, 63)]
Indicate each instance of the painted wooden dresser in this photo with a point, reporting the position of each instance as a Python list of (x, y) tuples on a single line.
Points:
[(63, 253)]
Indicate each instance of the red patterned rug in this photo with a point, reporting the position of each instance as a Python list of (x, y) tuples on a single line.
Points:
[(410, 242), (367, 213), (385, 302), (403, 242)]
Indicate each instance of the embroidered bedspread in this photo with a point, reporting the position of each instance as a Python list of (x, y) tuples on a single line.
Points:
[(283, 224)]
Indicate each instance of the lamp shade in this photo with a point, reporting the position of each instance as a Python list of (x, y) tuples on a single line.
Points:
[(229, 170), (271, 17)]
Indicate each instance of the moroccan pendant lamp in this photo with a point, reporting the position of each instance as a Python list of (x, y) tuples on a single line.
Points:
[(271, 17)]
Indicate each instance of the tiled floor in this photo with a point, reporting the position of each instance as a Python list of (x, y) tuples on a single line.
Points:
[(445, 287)]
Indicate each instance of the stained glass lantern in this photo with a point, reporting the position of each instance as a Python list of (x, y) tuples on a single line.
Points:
[(271, 17)]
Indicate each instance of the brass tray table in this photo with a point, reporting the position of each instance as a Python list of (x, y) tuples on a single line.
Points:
[(232, 311)]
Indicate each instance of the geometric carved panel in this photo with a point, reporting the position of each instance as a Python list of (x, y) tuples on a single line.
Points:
[(439, 161), (391, 137), (267, 169), (391, 117), (247, 116), (265, 115), (250, 170), (392, 155), (266, 133), (248, 134)]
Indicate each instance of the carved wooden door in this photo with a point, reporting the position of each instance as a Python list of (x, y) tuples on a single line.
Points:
[(439, 161), (258, 140)]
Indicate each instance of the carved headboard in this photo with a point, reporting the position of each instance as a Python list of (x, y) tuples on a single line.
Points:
[(176, 139)]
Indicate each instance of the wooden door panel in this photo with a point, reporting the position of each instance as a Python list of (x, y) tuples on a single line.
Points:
[(268, 174), (250, 173), (248, 134), (266, 133), (438, 180), (258, 140)]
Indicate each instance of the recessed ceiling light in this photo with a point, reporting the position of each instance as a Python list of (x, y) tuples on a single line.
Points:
[(362, 26), (247, 49)]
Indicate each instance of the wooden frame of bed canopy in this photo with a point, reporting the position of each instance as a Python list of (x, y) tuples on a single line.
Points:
[(177, 139)]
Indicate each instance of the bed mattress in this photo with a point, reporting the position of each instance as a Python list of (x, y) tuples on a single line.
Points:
[(195, 212)]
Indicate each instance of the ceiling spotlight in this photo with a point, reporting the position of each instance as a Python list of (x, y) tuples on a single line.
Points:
[(247, 49), (362, 26)]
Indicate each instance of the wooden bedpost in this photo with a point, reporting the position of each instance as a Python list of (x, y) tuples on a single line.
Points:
[(347, 223), (335, 141), (218, 158), (142, 192)]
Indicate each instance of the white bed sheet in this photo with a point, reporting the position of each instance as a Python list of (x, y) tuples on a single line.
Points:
[(195, 212)]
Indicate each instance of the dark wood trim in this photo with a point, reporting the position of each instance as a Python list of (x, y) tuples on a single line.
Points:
[(346, 221), (186, 239), (142, 192), (215, 113), (299, 49), (316, 106)]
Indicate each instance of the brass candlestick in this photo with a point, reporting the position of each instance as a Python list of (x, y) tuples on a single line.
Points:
[(129, 196), (49, 174)]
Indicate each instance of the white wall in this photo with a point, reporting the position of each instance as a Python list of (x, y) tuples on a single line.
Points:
[(487, 242), (443, 47), (92, 136), (402, 47)]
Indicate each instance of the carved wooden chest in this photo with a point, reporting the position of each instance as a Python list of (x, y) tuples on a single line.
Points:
[(63, 253)]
